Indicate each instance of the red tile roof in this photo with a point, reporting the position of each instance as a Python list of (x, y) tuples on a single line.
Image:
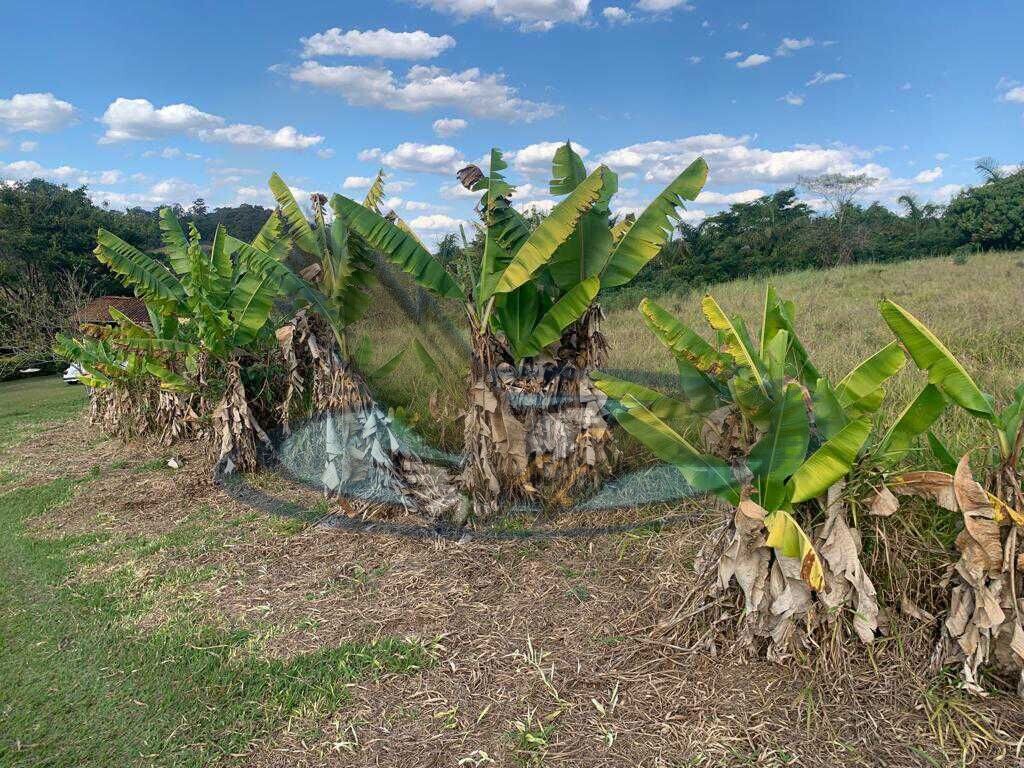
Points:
[(98, 310)]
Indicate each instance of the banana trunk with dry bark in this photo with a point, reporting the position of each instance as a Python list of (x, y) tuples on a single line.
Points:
[(534, 430)]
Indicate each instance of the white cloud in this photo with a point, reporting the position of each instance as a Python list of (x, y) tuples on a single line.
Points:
[(927, 177), (793, 99), (367, 155), (132, 119), (449, 126), (381, 43), (790, 44), (537, 157), (657, 6), (729, 198), (257, 136), (65, 174), (435, 221), (138, 119), (167, 153), (357, 182), (39, 112), (696, 59), (540, 206), (733, 55), (325, 154), (945, 192), (1014, 94), (417, 205), (615, 15), (424, 158), (456, 191), (820, 78), (28, 146), (478, 93), (734, 161), (906, 87), (531, 15), (753, 60), (393, 202), (940, 156)]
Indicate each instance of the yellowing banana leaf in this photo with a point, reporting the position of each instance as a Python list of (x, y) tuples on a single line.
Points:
[(173, 238), (567, 310), (787, 537), (915, 420), (860, 384), (555, 229), (830, 463), (398, 247), (782, 449), (662, 406), (706, 473), (622, 226), (150, 279), (737, 345), (299, 229), (680, 340), (653, 227), (931, 355), (168, 379), (375, 193)]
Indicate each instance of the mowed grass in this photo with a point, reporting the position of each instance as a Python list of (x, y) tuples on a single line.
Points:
[(84, 681), (975, 308), (26, 403)]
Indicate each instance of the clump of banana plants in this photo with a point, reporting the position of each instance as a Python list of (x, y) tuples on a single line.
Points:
[(534, 428), (211, 318), (790, 454), (984, 625)]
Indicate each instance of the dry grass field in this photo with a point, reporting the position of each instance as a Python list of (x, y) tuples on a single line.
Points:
[(147, 618)]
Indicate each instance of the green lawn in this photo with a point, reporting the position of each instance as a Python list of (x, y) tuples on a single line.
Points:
[(81, 684)]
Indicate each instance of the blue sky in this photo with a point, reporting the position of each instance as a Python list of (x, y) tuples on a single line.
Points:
[(155, 103)]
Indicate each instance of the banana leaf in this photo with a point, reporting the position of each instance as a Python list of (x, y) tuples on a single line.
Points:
[(735, 339), (829, 416), (944, 370), (706, 473), (397, 246), (680, 340), (662, 406), (567, 310), (787, 537), (152, 281), (857, 392), (653, 227), (915, 420), (299, 229), (175, 244), (782, 449), (830, 463), (556, 227)]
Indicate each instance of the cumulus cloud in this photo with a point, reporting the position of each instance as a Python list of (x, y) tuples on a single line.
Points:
[(139, 119), (615, 15), (696, 59), (422, 158), (530, 15), (478, 93), (821, 78), (37, 112), (793, 99), (417, 205), (24, 170), (456, 191), (543, 205), (1016, 93), (753, 60), (730, 55), (381, 43), (736, 161), (729, 198), (246, 135), (435, 221), (790, 44), (928, 176), (537, 157), (449, 126)]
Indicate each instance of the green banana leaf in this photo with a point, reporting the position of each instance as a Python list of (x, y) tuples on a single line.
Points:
[(944, 371), (915, 420), (152, 281), (941, 453), (299, 229), (175, 244), (375, 193), (168, 379), (780, 316), (829, 416), (830, 463), (705, 473), (857, 391), (556, 227), (662, 406), (388, 366), (270, 238), (398, 247), (567, 170), (516, 315), (653, 227), (782, 449), (567, 310)]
